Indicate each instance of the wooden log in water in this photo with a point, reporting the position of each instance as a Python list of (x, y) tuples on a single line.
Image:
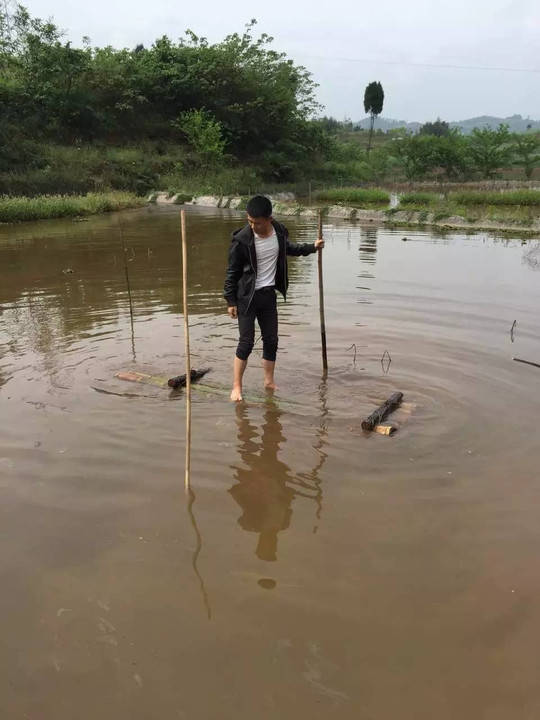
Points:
[(181, 380), (378, 415)]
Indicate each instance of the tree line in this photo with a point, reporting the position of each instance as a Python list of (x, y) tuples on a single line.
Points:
[(189, 106), (234, 100)]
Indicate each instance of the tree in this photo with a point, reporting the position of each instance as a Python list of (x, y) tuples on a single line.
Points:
[(417, 154), (373, 104), (490, 149), (439, 128), (204, 135), (527, 149)]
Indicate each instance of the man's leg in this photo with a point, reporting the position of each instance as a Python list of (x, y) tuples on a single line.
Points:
[(268, 322), (246, 327), (238, 373)]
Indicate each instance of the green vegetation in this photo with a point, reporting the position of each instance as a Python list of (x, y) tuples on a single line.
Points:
[(419, 198), (453, 156), (517, 197), (439, 128), (518, 208), (373, 105), (190, 116), (527, 152), (17, 209), (354, 196), (236, 103)]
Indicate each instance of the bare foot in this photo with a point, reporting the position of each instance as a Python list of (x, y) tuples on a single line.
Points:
[(270, 386), (236, 394)]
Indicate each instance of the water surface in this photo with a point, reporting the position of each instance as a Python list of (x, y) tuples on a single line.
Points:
[(314, 571)]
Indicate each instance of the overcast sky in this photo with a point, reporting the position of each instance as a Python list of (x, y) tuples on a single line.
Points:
[(434, 58)]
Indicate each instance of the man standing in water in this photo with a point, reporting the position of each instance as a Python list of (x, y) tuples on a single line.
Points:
[(257, 267)]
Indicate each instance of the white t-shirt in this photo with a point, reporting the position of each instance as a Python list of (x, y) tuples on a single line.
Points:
[(267, 255)]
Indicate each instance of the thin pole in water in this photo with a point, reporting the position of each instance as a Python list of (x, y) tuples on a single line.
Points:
[(321, 298), (124, 249), (186, 338), (527, 362)]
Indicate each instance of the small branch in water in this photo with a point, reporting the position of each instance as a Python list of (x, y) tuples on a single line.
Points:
[(512, 330), (350, 348), (526, 362)]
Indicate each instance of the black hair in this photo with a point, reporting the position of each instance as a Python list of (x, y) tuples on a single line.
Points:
[(259, 207)]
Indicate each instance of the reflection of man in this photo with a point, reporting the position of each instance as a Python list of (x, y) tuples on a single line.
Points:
[(261, 490)]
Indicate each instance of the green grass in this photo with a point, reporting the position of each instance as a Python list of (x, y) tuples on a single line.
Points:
[(69, 169), (353, 196), (419, 198), (529, 198), (19, 209), (223, 181)]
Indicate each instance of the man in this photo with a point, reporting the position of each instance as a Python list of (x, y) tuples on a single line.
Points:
[(257, 267)]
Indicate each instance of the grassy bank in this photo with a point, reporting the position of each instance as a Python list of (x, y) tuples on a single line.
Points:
[(20, 209), (520, 207), (361, 197), (475, 216), (518, 198)]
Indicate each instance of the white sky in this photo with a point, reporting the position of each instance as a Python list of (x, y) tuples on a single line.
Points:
[(346, 44)]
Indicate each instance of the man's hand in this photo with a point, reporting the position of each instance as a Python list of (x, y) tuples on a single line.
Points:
[(319, 244), (232, 310)]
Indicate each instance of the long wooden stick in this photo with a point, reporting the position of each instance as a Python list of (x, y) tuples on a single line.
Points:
[(186, 338), (527, 362), (321, 299), (124, 252)]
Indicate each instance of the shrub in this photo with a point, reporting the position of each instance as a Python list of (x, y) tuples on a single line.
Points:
[(419, 198)]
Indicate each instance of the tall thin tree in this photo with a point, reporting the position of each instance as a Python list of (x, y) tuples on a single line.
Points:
[(373, 104)]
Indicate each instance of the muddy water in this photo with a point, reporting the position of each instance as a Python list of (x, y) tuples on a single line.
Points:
[(314, 571)]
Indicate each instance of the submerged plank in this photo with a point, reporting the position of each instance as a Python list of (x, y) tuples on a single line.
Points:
[(204, 388)]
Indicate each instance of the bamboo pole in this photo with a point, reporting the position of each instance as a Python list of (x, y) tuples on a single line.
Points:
[(126, 271), (321, 299), (186, 339)]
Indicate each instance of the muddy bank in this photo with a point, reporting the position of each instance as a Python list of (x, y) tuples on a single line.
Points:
[(286, 206)]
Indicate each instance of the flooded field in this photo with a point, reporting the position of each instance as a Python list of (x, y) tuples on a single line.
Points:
[(314, 571)]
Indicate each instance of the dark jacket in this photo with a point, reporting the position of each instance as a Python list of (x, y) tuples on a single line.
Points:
[(242, 269)]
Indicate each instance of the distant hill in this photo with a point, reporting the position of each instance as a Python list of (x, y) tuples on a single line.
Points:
[(516, 123)]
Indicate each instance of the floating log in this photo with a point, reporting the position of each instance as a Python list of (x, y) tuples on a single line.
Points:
[(181, 380), (527, 362), (381, 412)]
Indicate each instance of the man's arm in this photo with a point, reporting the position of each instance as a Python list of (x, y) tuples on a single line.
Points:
[(233, 275), (303, 248)]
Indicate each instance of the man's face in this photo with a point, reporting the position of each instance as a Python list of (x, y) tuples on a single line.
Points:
[(261, 225)]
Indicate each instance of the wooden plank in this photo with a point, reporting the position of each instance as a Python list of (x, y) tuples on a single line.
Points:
[(204, 388)]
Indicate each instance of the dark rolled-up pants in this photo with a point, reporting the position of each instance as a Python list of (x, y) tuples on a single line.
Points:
[(263, 308)]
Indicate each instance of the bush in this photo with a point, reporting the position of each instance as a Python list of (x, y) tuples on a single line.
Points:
[(419, 198)]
